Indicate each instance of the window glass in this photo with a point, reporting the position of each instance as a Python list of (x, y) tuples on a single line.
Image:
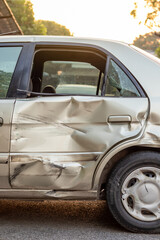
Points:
[(70, 77), (118, 83), (100, 83), (8, 60)]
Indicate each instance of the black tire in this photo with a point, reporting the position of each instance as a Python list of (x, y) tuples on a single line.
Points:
[(114, 195)]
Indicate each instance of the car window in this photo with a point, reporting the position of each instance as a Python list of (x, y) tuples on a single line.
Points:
[(68, 71), (118, 83), (8, 61), (70, 77)]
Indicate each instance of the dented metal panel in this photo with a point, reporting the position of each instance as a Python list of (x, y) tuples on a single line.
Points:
[(4, 170), (151, 135), (56, 141), (40, 173), (6, 111)]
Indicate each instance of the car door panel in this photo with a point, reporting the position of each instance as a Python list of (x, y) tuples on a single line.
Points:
[(56, 141), (6, 112)]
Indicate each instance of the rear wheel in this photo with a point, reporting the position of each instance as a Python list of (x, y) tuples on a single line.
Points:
[(133, 192)]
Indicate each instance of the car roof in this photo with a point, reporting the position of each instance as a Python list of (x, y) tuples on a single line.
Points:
[(144, 66), (44, 38)]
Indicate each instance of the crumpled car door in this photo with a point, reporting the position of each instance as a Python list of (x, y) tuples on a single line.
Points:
[(56, 141)]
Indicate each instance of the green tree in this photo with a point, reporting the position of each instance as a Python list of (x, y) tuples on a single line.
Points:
[(54, 28), (39, 29), (149, 41), (152, 19), (158, 52), (23, 12), (18, 9)]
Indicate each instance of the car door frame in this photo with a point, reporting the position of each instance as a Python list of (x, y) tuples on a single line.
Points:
[(10, 99), (29, 52), (24, 82)]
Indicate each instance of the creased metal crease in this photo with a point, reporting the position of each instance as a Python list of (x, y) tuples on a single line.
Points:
[(68, 126)]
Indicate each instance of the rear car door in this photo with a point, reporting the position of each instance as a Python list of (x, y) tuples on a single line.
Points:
[(82, 104)]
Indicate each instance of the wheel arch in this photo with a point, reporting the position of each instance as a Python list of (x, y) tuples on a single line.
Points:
[(111, 163)]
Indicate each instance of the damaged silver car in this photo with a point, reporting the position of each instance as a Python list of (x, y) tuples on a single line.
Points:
[(80, 119)]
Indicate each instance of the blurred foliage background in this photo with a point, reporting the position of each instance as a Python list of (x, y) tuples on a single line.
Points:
[(24, 14), (149, 41)]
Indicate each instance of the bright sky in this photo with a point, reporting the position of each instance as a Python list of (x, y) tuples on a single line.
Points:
[(92, 18)]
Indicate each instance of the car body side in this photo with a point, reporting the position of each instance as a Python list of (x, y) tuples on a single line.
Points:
[(79, 175)]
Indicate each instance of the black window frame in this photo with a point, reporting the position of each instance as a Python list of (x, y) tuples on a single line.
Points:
[(128, 74), (28, 56), (12, 86), (82, 51), (20, 76)]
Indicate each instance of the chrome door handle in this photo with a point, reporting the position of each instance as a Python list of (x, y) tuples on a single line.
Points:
[(121, 118), (1, 122)]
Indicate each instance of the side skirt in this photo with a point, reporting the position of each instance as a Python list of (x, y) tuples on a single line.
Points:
[(47, 194)]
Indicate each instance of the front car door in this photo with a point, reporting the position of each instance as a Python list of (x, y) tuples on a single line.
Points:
[(8, 60), (83, 104)]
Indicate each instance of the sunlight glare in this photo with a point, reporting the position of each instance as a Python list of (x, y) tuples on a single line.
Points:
[(92, 18)]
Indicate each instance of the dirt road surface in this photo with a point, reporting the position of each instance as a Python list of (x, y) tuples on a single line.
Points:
[(61, 220)]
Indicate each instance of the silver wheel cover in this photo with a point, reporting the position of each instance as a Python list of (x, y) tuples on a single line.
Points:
[(141, 194)]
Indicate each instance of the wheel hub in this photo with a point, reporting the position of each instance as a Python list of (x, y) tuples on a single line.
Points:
[(148, 193), (141, 194)]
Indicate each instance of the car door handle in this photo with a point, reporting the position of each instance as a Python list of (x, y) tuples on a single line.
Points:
[(1, 122), (122, 118)]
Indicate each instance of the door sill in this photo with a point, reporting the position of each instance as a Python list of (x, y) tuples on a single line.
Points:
[(47, 194)]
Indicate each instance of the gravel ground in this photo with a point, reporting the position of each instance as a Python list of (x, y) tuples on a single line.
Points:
[(61, 220)]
